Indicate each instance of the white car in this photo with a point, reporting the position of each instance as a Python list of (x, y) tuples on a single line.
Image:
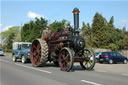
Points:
[(1, 52)]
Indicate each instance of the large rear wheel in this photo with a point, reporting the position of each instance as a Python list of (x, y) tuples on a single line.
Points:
[(39, 52), (89, 61), (66, 59)]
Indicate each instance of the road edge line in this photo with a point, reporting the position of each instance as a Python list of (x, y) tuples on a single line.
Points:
[(34, 68)]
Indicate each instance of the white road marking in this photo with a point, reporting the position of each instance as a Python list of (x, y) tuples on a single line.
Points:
[(5, 61), (125, 74), (27, 66), (101, 71), (34, 68), (90, 82)]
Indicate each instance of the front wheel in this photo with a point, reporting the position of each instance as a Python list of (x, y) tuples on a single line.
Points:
[(56, 63), (23, 60), (14, 58), (66, 59), (89, 61), (125, 61), (110, 61)]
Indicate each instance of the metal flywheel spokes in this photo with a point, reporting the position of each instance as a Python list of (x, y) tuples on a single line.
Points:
[(36, 53), (89, 60), (65, 59)]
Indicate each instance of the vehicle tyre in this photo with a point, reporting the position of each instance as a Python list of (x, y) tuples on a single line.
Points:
[(66, 59), (125, 61), (90, 61), (14, 58), (23, 59), (56, 63), (100, 62), (39, 52), (110, 61)]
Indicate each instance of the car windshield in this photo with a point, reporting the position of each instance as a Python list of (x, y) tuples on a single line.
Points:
[(26, 45), (97, 54), (118, 54), (105, 53)]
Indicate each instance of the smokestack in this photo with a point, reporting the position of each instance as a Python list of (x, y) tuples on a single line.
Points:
[(76, 18)]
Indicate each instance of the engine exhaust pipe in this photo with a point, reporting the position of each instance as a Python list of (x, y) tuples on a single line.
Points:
[(76, 18)]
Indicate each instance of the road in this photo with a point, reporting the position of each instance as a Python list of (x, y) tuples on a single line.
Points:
[(25, 74)]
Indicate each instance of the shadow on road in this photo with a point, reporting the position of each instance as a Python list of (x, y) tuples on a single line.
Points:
[(74, 68)]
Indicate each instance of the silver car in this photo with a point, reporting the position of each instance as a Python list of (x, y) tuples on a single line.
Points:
[(1, 52)]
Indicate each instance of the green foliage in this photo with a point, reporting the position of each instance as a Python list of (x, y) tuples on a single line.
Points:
[(33, 29), (125, 38), (103, 34), (111, 22), (10, 36), (86, 34), (98, 30), (59, 25), (98, 23)]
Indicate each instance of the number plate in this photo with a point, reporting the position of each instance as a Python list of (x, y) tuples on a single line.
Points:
[(101, 59)]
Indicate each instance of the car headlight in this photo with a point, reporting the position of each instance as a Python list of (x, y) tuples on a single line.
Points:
[(1, 52), (28, 54)]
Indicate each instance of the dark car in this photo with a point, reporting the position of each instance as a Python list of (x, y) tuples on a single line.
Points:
[(97, 54), (112, 57)]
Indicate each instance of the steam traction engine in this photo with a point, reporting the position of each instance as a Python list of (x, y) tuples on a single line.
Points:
[(63, 48)]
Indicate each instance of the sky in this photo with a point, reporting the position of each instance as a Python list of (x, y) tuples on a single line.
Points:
[(18, 12)]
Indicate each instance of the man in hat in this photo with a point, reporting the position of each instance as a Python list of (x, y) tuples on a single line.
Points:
[(46, 33)]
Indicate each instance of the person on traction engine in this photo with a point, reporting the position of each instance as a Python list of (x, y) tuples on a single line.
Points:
[(46, 33)]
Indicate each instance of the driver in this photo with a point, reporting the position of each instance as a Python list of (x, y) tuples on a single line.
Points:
[(46, 33)]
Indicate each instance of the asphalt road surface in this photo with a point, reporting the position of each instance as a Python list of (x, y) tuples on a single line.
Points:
[(25, 74)]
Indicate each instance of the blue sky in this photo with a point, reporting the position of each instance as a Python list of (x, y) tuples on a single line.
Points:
[(17, 12)]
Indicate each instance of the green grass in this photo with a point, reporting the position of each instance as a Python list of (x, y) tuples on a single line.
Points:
[(8, 53)]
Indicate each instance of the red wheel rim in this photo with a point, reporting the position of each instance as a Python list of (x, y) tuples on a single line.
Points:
[(64, 60), (36, 53)]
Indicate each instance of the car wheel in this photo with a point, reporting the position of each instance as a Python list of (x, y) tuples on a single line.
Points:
[(14, 58), (125, 61), (100, 62), (23, 59), (110, 61)]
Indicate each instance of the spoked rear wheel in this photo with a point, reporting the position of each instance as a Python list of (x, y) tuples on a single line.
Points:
[(39, 52), (66, 59), (89, 61)]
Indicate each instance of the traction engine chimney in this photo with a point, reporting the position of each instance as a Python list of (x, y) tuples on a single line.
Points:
[(76, 19)]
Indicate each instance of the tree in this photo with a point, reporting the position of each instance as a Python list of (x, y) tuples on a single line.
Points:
[(85, 34), (125, 38), (84, 29), (33, 29), (98, 22), (10, 36), (59, 25), (98, 30), (111, 21)]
